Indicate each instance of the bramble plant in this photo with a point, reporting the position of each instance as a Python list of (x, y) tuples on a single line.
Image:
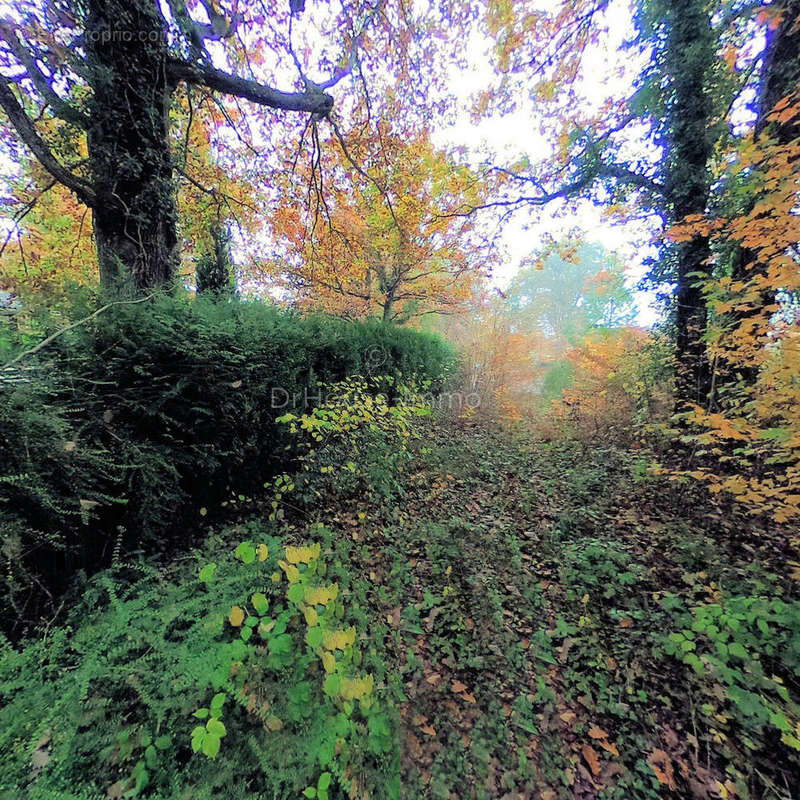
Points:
[(358, 439), (273, 645)]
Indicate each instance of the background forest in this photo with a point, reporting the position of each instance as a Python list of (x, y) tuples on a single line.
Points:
[(400, 399)]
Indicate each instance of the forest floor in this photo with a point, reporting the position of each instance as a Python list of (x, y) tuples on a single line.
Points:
[(525, 591), (542, 620)]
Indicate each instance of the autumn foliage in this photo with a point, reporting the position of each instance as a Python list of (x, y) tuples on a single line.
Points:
[(391, 237), (747, 439)]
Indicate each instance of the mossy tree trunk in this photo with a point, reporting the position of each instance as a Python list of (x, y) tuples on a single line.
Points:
[(128, 140)]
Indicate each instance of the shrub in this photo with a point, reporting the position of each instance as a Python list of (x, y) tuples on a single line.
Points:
[(199, 682), (744, 654), (126, 426)]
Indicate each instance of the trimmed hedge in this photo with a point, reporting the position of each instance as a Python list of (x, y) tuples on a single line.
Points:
[(126, 426)]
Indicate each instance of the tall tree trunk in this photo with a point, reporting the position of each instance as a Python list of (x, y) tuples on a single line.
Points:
[(690, 55), (128, 139), (781, 72)]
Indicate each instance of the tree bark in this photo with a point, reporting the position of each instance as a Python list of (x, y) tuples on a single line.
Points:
[(134, 216), (690, 55)]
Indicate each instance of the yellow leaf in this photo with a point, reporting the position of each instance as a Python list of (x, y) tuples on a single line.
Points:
[(236, 617), (292, 573), (262, 552), (328, 661), (339, 640), (321, 595), (355, 689), (311, 616)]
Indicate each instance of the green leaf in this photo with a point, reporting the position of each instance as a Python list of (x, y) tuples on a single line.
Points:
[(246, 552), (296, 593), (333, 683), (217, 702), (216, 728), (737, 650), (198, 735), (201, 713), (151, 756), (246, 634), (314, 636), (207, 573), (211, 746), (310, 792), (260, 603), (695, 663), (322, 785), (163, 742)]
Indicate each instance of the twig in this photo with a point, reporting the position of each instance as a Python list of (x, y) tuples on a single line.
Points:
[(69, 327)]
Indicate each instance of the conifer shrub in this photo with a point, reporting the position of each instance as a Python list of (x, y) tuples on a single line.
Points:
[(126, 428)]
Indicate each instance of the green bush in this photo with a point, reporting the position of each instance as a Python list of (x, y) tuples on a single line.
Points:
[(125, 427), (744, 654), (151, 690)]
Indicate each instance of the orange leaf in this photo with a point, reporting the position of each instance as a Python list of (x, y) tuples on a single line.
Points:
[(662, 767), (458, 687), (590, 754)]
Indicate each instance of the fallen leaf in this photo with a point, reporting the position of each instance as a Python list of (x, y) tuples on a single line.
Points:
[(428, 729), (458, 687), (661, 765), (590, 754), (470, 698), (433, 679)]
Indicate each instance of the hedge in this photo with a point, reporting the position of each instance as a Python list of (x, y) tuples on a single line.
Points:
[(124, 427)]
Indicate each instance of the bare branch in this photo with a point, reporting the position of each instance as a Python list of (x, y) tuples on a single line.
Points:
[(71, 326), (28, 133), (312, 100), (61, 107)]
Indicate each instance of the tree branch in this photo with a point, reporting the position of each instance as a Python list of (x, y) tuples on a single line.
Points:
[(312, 100), (62, 331), (28, 133), (40, 81)]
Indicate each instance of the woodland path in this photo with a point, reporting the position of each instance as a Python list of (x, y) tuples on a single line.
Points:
[(517, 588)]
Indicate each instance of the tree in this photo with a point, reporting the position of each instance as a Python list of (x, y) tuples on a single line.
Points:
[(50, 239), (748, 446), (108, 70), (388, 240), (569, 290), (650, 151), (215, 269)]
